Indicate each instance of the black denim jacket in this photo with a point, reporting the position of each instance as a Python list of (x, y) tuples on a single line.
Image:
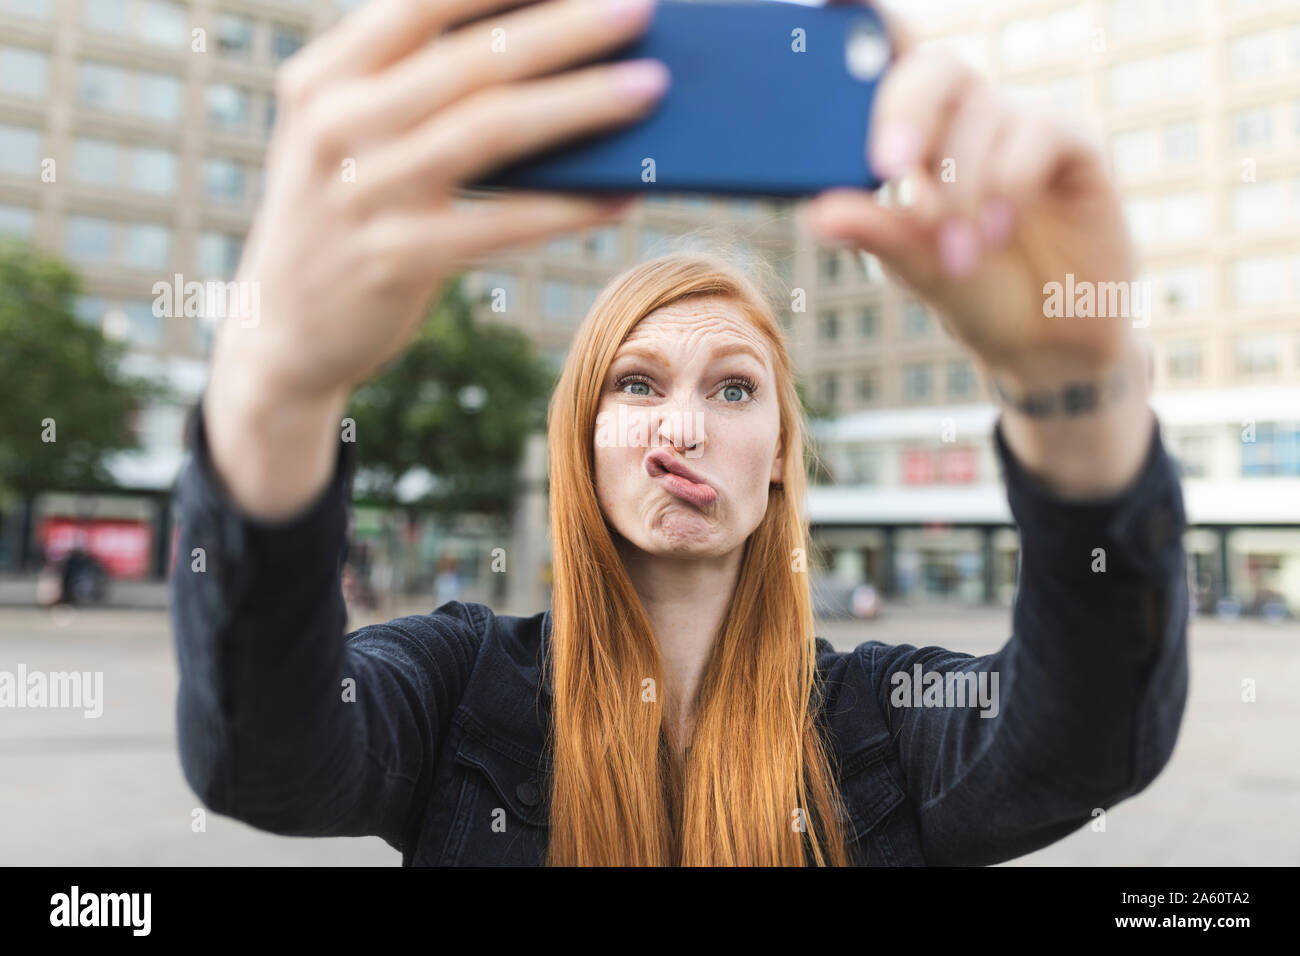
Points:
[(428, 730)]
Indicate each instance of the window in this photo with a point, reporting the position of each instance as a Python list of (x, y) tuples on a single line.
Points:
[(1182, 143), (1134, 152), (828, 328), (234, 36), (1056, 35), (653, 241), (143, 328), (20, 150), (564, 246), (16, 220), (1259, 205), (830, 390), (1252, 128), (154, 96), (828, 264), (163, 23), (228, 106), (1177, 74), (916, 382), (961, 379), (148, 246), (602, 243), (869, 322), (158, 96), (555, 300), (218, 254), (104, 16), (285, 41), (1191, 451), (223, 179), (153, 170), (1253, 56), (916, 320), (1258, 355), (865, 388), (36, 9), (89, 310), (94, 161), (1274, 452), (1185, 289), (88, 240), (1184, 361), (22, 71), (1257, 282), (1172, 218), (99, 86)]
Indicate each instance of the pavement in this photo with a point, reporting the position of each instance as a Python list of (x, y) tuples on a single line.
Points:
[(81, 791)]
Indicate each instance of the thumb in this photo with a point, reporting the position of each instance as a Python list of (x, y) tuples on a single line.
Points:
[(892, 234)]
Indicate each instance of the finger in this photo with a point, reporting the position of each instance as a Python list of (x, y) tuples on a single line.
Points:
[(1036, 152), (423, 244), (913, 108), (368, 38), (487, 129), (536, 40), (893, 234), (965, 153)]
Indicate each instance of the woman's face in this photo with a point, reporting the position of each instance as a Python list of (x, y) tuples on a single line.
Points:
[(690, 390)]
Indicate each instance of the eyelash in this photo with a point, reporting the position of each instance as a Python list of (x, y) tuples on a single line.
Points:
[(743, 381)]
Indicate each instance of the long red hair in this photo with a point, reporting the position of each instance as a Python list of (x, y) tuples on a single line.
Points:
[(756, 786)]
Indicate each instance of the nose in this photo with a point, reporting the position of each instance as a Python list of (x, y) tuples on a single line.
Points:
[(682, 427)]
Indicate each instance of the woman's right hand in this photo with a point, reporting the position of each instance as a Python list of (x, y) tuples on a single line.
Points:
[(382, 119)]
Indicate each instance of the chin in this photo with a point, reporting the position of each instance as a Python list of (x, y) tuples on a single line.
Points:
[(683, 535)]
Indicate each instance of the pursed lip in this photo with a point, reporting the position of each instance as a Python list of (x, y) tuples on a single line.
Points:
[(681, 481)]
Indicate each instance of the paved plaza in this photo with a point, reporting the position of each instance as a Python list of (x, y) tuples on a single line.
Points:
[(108, 790)]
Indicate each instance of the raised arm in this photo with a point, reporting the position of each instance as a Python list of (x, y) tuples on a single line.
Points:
[(284, 723), (1090, 688)]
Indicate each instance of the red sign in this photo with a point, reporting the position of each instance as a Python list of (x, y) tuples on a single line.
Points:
[(122, 547), (918, 467), (949, 466)]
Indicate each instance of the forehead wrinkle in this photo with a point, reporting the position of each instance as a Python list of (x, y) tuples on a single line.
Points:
[(692, 320)]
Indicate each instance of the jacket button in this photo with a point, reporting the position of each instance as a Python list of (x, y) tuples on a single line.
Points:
[(528, 793)]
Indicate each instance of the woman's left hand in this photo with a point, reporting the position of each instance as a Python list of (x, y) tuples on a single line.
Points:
[(1006, 199)]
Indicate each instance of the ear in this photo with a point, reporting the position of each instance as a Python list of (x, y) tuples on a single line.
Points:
[(778, 466)]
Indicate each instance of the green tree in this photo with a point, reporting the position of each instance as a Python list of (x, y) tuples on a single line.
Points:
[(458, 402), (64, 403)]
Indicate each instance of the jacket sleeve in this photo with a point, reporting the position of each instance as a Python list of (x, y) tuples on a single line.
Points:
[(283, 722), (1091, 684)]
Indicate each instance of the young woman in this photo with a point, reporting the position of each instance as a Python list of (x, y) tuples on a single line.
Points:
[(673, 705)]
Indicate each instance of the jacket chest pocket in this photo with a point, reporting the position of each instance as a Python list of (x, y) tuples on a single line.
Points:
[(501, 816), (879, 827)]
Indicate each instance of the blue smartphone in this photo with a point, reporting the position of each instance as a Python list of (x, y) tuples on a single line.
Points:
[(765, 99)]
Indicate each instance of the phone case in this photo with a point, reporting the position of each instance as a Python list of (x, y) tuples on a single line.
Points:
[(765, 98)]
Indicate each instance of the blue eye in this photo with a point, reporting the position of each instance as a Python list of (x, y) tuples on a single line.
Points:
[(737, 390), (625, 380)]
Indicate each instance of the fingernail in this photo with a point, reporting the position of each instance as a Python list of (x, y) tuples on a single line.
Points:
[(958, 248), (641, 79), (895, 151), (625, 11), (995, 221)]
